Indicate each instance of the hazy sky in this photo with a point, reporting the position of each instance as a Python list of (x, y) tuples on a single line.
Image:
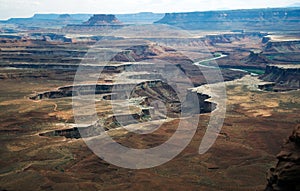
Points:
[(26, 8)]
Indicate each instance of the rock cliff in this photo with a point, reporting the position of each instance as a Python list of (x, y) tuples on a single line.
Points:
[(286, 175), (282, 48), (254, 19), (286, 77), (256, 57), (151, 51)]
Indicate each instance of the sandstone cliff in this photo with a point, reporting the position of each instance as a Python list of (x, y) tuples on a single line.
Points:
[(282, 46), (286, 77)]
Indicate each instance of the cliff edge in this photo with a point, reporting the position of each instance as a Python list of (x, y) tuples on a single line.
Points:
[(286, 77), (286, 175), (254, 19)]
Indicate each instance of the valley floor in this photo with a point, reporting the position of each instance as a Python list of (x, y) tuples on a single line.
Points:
[(256, 124)]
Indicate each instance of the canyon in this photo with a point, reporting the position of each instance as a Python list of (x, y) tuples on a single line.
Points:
[(143, 82)]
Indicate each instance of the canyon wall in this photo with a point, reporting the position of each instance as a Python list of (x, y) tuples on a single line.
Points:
[(286, 77), (286, 174)]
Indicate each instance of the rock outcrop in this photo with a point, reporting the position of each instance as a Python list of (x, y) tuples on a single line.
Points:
[(286, 77), (68, 91), (256, 57), (151, 51), (102, 19), (96, 23), (254, 19), (282, 48), (49, 37), (231, 37), (286, 175)]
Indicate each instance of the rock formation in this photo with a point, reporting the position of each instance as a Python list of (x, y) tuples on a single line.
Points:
[(286, 175), (96, 23), (255, 19), (256, 57), (102, 19), (286, 77), (48, 20), (282, 48), (151, 51)]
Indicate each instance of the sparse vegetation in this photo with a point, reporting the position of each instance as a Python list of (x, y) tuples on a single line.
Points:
[(41, 147)]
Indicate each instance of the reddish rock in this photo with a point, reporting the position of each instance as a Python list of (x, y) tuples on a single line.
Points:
[(286, 175)]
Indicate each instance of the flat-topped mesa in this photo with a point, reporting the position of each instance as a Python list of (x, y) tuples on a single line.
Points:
[(96, 23), (281, 43), (284, 48), (288, 45), (102, 19), (255, 19), (286, 77)]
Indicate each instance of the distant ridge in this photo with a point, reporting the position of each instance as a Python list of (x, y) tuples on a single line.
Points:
[(267, 19), (59, 20), (246, 19)]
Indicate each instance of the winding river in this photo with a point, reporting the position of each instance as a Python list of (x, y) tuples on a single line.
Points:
[(202, 63)]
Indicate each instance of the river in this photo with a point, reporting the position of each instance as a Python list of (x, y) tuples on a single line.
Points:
[(202, 63)]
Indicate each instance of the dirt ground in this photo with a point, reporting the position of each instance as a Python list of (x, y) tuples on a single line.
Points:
[(255, 127)]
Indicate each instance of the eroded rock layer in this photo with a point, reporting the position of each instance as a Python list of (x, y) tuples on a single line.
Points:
[(286, 77), (286, 175)]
